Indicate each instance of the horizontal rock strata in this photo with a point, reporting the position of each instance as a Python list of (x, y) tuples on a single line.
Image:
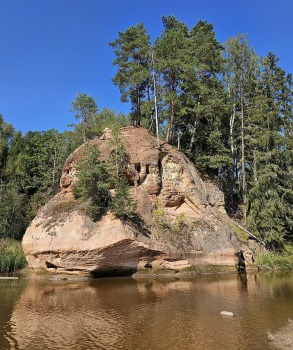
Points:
[(182, 221)]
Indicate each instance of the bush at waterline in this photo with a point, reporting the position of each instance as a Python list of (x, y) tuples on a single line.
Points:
[(275, 261), (11, 255)]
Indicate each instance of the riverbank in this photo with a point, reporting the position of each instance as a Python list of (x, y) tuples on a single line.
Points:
[(283, 339), (11, 255)]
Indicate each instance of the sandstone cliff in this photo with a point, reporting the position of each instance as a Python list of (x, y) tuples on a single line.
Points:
[(181, 219)]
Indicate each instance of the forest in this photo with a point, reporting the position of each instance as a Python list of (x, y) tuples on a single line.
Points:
[(228, 110)]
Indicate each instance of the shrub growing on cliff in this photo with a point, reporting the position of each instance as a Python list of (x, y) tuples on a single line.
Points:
[(96, 178), (93, 182), (122, 204)]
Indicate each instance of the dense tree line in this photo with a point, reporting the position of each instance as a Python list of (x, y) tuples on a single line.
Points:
[(227, 109), (31, 164)]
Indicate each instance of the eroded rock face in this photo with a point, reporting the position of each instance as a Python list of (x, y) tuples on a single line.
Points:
[(182, 218)]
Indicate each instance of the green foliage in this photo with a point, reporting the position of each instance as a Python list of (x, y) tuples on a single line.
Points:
[(13, 212), (11, 255), (6, 134), (170, 59), (274, 261), (30, 169), (63, 207), (181, 220), (228, 110), (123, 205), (269, 201), (107, 119), (132, 53), (85, 109), (93, 182), (271, 192), (241, 235), (35, 161), (231, 113), (159, 212), (117, 158), (96, 178)]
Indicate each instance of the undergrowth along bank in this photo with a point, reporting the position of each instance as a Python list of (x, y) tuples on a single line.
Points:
[(282, 261), (11, 255)]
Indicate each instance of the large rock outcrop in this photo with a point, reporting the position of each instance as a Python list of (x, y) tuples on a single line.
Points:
[(181, 219)]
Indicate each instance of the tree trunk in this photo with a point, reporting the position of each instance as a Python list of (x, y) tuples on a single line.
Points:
[(172, 118), (232, 121), (244, 194), (156, 108), (171, 123), (192, 132), (137, 112)]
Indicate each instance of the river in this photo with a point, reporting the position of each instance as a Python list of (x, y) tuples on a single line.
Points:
[(148, 314)]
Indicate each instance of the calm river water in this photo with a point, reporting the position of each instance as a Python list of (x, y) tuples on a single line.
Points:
[(146, 314)]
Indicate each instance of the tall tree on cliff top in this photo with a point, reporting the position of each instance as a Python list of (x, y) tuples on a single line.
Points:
[(170, 57), (240, 77), (203, 108), (132, 49), (85, 109)]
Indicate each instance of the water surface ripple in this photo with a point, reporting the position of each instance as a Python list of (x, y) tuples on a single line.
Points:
[(149, 314)]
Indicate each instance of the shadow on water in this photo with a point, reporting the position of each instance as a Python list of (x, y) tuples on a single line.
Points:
[(119, 272), (243, 281)]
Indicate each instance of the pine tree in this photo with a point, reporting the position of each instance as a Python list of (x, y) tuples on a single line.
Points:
[(103, 183), (271, 194), (132, 51), (240, 74), (203, 112), (85, 109), (170, 50), (93, 182), (123, 205)]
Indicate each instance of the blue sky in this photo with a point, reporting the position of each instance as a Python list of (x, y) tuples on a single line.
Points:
[(53, 49)]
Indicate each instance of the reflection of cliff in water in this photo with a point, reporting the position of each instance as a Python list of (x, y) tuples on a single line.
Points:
[(147, 314), (10, 291)]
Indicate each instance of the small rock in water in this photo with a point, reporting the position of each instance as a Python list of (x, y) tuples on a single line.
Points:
[(226, 313)]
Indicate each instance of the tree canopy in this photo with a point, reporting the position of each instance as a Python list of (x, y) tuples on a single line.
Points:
[(227, 109)]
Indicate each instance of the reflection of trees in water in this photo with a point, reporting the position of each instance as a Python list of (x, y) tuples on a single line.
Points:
[(62, 316), (10, 292), (127, 314), (98, 313)]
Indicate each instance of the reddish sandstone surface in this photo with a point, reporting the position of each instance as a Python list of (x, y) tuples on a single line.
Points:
[(181, 219)]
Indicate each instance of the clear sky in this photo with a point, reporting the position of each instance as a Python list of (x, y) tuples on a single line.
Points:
[(53, 49)]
